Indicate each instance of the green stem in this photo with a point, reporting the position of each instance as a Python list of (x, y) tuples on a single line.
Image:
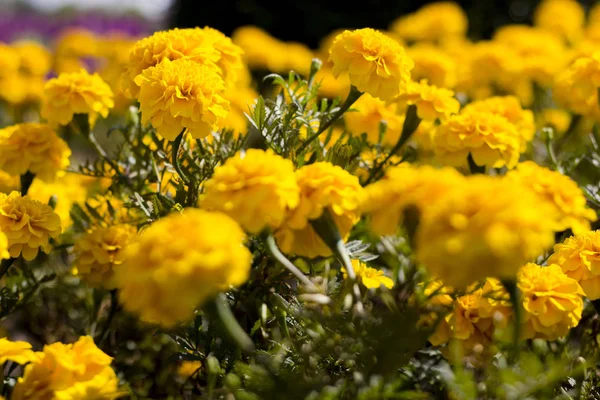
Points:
[(474, 168), (175, 159), (351, 99), (223, 312), (26, 181), (5, 265), (515, 298), (287, 263), (411, 123)]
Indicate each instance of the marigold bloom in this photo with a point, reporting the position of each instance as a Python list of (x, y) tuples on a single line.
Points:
[(375, 63), (18, 352), (555, 118), (76, 93), (560, 192), (165, 284), (492, 140), (370, 113), (510, 108), (69, 371), (579, 258), (484, 227), (576, 87), (323, 186), (34, 58), (551, 300), (9, 182), (432, 22), (100, 251), (241, 100), (35, 148), (403, 186), (182, 94), (255, 188), (563, 17), (432, 102), (28, 225), (433, 65), (67, 189), (371, 278)]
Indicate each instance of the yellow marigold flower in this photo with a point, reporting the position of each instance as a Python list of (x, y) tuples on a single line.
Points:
[(555, 118), (230, 55), (579, 258), (510, 108), (371, 278), (491, 139), (35, 148), (432, 22), (255, 188), (562, 17), (68, 371), (76, 43), (9, 182), (433, 65), (18, 352), (188, 368), (323, 186), (67, 189), (261, 50), (330, 86), (76, 93), (34, 58), (436, 302), (240, 100), (576, 88), (28, 225), (481, 226), (375, 63), (10, 62), (432, 102), (370, 113), (551, 300), (403, 186), (560, 192), (100, 251), (182, 94), (165, 284)]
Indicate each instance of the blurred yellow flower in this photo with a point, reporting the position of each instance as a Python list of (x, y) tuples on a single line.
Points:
[(433, 65), (551, 300), (482, 228), (28, 225), (432, 102), (491, 139), (579, 258), (35, 148), (256, 188), (18, 352), (576, 88), (182, 94), (100, 251), (240, 100), (404, 186), (34, 58), (560, 192), (165, 284), (71, 47), (9, 182), (323, 186), (188, 368), (565, 18), (375, 63), (432, 22), (76, 93), (330, 86), (370, 113), (371, 278), (555, 118)]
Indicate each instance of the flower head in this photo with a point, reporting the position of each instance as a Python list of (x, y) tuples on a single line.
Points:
[(371, 278), (323, 186), (255, 188), (100, 251), (375, 63), (483, 227), (579, 258), (205, 255), (576, 87), (182, 94), (76, 93), (563, 17), (370, 113), (28, 225), (18, 352), (491, 139), (559, 191), (433, 65), (432, 22), (432, 102), (552, 301), (35, 148)]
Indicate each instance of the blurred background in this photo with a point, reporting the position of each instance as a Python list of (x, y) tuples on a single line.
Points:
[(304, 21)]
